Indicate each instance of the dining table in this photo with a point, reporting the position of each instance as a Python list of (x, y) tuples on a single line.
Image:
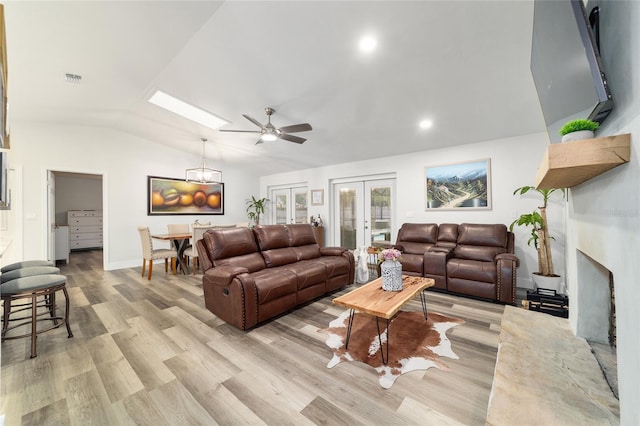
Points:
[(180, 242)]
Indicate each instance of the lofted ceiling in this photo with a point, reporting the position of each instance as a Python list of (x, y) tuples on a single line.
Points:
[(462, 64)]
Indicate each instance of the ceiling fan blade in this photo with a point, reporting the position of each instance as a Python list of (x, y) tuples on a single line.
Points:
[(240, 131), (253, 120), (259, 141), (305, 127), (292, 138)]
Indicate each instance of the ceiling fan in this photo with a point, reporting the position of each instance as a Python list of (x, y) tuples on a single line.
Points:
[(268, 132)]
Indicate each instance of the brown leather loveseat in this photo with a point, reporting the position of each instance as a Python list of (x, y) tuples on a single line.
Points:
[(253, 275), (469, 259)]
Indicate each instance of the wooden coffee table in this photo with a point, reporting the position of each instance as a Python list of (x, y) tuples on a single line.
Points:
[(371, 299)]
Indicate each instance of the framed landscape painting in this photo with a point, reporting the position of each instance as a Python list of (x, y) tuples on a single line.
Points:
[(167, 196), (459, 186)]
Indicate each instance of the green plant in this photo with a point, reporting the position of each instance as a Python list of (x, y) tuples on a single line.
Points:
[(255, 207), (537, 221), (577, 125)]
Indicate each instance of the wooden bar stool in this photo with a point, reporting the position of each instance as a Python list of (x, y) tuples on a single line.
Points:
[(32, 287)]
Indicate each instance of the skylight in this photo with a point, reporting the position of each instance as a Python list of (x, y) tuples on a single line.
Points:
[(187, 110)]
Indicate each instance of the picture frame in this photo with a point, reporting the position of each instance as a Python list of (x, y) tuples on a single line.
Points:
[(169, 196), (317, 197), (458, 186)]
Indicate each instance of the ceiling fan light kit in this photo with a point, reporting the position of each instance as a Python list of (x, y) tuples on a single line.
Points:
[(269, 133), (203, 174)]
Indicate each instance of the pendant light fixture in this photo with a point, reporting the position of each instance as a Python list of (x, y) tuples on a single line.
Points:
[(203, 174)]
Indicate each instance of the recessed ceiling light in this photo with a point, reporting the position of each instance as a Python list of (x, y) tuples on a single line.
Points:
[(368, 44), (187, 110), (425, 124)]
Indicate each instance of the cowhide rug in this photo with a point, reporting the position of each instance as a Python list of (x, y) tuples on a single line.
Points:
[(416, 344)]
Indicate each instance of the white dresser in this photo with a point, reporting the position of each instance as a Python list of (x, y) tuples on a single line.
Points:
[(85, 229)]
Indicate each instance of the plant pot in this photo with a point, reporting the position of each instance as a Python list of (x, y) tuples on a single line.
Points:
[(553, 282), (579, 135), (391, 271)]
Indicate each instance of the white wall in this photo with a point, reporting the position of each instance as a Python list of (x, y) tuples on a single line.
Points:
[(124, 161), (514, 163)]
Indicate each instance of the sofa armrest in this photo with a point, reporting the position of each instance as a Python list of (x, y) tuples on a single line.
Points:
[(332, 251), (436, 249), (435, 262), (509, 257), (231, 295), (506, 265), (223, 275), (344, 252)]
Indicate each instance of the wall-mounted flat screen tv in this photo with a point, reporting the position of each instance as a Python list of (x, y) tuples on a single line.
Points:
[(566, 65)]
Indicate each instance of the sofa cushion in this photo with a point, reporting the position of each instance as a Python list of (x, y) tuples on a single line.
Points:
[(336, 265), (412, 262), (274, 283), (301, 234), (271, 236), (471, 270), (418, 233), (233, 246), (253, 262), (414, 248), (480, 253), (447, 235), (477, 234), (481, 241), (311, 251), (309, 272)]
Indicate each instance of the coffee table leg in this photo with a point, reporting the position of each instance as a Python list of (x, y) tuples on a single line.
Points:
[(352, 313), (380, 340), (423, 300)]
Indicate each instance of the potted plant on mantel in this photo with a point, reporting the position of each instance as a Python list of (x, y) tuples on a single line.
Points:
[(255, 208), (578, 129), (537, 221)]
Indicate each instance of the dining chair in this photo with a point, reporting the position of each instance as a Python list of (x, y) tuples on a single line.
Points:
[(150, 254), (192, 252), (178, 228)]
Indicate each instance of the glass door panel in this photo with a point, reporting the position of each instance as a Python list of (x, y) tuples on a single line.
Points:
[(289, 205), (364, 213)]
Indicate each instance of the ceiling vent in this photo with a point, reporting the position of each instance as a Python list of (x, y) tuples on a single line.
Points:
[(72, 78)]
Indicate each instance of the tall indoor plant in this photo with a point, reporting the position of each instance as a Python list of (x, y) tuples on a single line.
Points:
[(537, 221), (255, 208)]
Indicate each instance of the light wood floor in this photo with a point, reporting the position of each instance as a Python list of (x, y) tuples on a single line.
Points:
[(150, 353)]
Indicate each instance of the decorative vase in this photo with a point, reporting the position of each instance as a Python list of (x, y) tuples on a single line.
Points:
[(391, 271), (579, 135)]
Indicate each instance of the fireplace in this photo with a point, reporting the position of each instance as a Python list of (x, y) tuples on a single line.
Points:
[(596, 314)]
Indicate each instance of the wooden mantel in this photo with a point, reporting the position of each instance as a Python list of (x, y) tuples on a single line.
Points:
[(568, 164)]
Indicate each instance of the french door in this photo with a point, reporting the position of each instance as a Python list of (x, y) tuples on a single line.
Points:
[(289, 205), (363, 212)]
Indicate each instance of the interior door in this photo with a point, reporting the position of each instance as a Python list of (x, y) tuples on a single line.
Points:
[(364, 213), (51, 215), (290, 205)]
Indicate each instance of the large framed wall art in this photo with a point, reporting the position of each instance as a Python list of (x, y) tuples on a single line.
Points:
[(167, 196), (459, 186)]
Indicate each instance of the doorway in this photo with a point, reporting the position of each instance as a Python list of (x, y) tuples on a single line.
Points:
[(363, 212), (73, 191)]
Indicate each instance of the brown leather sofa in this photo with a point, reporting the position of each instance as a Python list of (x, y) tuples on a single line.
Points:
[(469, 259), (251, 276)]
